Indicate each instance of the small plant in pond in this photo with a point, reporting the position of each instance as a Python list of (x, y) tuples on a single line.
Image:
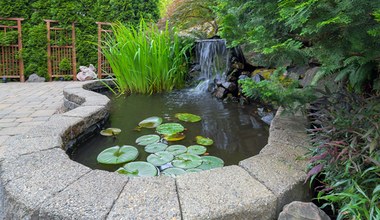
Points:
[(204, 141), (138, 169), (110, 132), (170, 129), (151, 122), (145, 59), (118, 155), (187, 117)]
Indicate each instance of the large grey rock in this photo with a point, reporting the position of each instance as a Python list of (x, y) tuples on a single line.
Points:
[(31, 179), (147, 198), (35, 78), (302, 211), (309, 76), (286, 182), (91, 197), (224, 193)]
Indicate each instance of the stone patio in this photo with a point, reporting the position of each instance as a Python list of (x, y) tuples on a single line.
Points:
[(39, 181)]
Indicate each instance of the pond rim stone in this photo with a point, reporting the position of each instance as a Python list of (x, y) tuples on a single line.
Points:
[(47, 174)]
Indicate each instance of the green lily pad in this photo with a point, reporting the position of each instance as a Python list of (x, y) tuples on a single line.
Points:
[(147, 139), (155, 147), (187, 161), (118, 155), (110, 132), (176, 149), (138, 168), (187, 117), (170, 128), (196, 149), (173, 172), (160, 158), (204, 141), (193, 170), (175, 137), (151, 122), (211, 162)]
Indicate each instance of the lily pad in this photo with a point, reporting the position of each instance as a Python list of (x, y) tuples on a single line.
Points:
[(187, 161), (160, 158), (170, 128), (173, 172), (193, 170), (138, 168), (118, 155), (175, 137), (187, 117), (155, 147), (204, 141), (147, 139), (196, 149), (110, 132), (151, 122), (176, 149), (211, 162)]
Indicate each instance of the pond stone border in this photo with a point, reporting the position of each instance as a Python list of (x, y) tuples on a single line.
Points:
[(39, 181)]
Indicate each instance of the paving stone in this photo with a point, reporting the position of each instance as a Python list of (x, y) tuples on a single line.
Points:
[(224, 193), (147, 198), (90, 114), (15, 130), (8, 124), (32, 179), (42, 113), (286, 182), (7, 120), (3, 138), (22, 144), (91, 197), (59, 126), (23, 120)]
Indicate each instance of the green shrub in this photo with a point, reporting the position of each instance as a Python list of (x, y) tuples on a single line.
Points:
[(85, 13), (279, 91), (341, 36), (347, 153), (145, 59)]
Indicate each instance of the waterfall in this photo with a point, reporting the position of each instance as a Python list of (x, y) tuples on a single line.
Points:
[(212, 56)]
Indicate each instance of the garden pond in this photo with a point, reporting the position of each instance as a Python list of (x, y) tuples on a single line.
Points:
[(237, 133)]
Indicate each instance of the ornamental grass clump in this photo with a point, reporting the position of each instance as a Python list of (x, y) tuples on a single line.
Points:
[(145, 59)]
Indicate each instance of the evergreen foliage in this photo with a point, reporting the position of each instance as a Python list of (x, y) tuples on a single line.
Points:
[(341, 36), (84, 12)]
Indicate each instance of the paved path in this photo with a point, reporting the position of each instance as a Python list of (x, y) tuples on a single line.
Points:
[(25, 105)]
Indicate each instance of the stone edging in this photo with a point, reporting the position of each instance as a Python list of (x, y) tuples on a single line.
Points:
[(39, 181)]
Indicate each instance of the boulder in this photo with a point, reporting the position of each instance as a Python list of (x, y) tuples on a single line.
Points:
[(86, 73), (302, 211), (35, 78), (220, 93)]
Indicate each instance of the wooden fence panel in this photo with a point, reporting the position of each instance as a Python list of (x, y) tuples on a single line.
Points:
[(104, 68), (61, 51), (12, 64)]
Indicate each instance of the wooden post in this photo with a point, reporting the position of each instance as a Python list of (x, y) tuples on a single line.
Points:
[(74, 57), (49, 50), (99, 50), (21, 61)]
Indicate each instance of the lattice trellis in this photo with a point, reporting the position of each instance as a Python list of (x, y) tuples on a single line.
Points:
[(104, 68), (12, 65), (61, 51)]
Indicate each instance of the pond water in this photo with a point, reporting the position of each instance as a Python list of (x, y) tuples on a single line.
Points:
[(237, 133)]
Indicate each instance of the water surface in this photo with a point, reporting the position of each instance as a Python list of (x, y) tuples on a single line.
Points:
[(237, 134)]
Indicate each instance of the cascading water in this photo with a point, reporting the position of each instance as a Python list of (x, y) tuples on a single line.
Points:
[(213, 59)]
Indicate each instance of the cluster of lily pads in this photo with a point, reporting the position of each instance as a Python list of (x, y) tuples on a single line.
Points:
[(168, 160)]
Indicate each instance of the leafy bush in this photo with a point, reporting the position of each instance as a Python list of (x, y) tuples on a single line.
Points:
[(85, 13), (342, 36), (146, 60), (279, 91), (347, 153), (8, 38)]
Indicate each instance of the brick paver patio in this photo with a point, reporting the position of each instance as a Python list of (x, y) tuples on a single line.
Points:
[(25, 105)]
